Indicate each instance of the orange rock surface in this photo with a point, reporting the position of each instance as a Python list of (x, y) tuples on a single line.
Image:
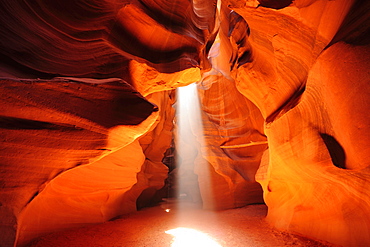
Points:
[(88, 111)]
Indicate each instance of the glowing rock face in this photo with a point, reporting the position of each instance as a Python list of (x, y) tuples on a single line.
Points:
[(319, 178), (56, 126), (283, 85), (314, 175)]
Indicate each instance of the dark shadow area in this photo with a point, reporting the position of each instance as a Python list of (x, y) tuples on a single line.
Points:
[(21, 123), (336, 151), (355, 28), (288, 105), (275, 4)]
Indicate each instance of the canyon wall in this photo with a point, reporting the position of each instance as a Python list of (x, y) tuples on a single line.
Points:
[(87, 95)]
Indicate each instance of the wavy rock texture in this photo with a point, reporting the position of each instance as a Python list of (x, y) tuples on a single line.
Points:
[(94, 38), (317, 182), (53, 126), (314, 175), (283, 87), (105, 188), (232, 148)]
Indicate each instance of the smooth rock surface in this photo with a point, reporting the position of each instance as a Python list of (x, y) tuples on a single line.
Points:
[(87, 111)]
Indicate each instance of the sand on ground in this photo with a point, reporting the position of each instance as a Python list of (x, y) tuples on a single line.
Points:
[(241, 227)]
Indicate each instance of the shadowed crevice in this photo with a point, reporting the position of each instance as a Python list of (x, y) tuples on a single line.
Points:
[(336, 151), (288, 105), (21, 123), (275, 4)]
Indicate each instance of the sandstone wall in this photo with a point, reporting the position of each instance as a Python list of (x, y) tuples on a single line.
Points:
[(87, 89)]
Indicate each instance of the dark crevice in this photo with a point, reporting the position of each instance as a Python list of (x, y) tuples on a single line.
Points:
[(275, 4), (18, 69), (355, 28), (336, 151), (32, 197), (246, 57), (288, 105), (21, 123)]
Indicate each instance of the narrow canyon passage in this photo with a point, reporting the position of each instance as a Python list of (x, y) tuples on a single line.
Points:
[(241, 227), (93, 132)]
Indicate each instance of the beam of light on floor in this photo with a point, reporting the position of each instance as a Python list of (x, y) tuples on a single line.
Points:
[(185, 237), (190, 162)]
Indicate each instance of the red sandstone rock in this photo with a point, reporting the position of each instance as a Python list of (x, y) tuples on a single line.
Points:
[(283, 87), (226, 156), (318, 180), (49, 127), (314, 176)]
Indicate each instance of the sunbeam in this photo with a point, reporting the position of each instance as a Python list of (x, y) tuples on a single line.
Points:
[(189, 139)]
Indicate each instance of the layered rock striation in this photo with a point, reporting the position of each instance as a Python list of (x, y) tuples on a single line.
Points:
[(87, 95)]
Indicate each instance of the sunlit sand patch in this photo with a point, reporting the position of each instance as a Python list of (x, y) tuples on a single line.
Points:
[(184, 237)]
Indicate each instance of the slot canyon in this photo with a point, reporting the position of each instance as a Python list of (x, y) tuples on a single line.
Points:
[(111, 108)]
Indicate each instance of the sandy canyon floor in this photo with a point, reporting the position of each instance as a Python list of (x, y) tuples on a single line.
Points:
[(241, 227)]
